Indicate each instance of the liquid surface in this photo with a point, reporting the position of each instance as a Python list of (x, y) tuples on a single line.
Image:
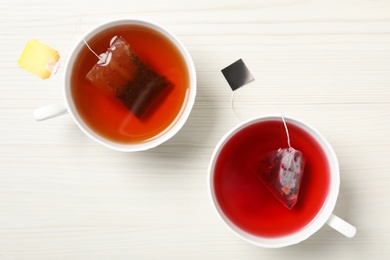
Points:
[(105, 114), (247, 202)]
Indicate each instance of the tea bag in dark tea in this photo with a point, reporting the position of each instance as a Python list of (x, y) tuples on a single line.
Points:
[(281, 172), (123, 74)]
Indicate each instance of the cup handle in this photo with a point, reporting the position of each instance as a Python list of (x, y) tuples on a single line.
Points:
[(341, 226), (49, 111)]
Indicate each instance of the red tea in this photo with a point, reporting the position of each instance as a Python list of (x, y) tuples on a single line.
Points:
[(247, 202), (106, 114)]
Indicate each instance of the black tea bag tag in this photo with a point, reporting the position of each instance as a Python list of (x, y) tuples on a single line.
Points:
[(237, 74)]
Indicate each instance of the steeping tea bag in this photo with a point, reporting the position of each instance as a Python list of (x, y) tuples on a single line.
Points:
[(281, 172), (123, 74)]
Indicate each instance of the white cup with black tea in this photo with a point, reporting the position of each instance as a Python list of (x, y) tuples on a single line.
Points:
[(129, 84)]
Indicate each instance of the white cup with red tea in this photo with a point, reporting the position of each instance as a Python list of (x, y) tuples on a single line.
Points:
[(129, 84), (248, 207)]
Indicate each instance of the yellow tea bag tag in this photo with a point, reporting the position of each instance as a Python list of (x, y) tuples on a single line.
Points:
[(39, 59)]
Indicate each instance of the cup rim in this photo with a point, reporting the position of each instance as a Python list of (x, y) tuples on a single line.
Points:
[(318, 221), (181, 117)]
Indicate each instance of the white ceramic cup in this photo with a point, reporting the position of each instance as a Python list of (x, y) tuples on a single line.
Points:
[(325, 214), (68, 106)]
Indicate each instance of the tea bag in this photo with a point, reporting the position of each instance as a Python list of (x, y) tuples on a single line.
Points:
[(281, 172), (121, 73)]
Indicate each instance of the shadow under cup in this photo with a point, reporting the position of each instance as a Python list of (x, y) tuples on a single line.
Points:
[(102, 116), (247, 207)]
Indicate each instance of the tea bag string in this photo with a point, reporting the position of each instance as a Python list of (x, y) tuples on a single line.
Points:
[(91, 49), (76, 30), (54, 66), (280, 111), (104, 58), (286, 128), (232, 103), (233, 107)]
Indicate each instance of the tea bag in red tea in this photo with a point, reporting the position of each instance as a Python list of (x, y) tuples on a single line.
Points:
[(122, 73), (281, 172)]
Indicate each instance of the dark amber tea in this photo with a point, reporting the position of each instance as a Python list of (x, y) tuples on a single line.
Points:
[(247, 202), (114, 117)]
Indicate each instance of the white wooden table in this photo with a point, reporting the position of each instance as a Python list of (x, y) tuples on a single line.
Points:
[(63, 196)]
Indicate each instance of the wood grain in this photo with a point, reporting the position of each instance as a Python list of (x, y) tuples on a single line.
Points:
[(62, 196)]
